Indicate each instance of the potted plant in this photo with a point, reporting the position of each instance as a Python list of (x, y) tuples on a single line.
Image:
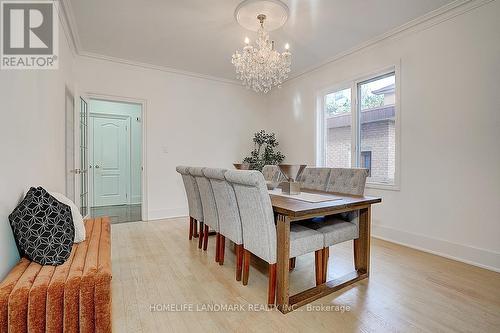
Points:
[(264, 152)]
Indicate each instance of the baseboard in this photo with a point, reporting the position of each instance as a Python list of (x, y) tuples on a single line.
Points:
[(467, 254), (167, 213)]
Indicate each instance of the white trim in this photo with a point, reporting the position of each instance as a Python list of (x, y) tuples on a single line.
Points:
[(78, 162), (320, 130), (321, 135), (69, 26), (396, 68), (159, 68), (423, 22), (382, 186), (468, 254), (91, 161), (144, 113)]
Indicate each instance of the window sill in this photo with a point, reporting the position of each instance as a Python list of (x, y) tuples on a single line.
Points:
[(380, 186)]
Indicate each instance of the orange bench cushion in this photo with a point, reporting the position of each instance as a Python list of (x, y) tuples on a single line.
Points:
[(72, 297)]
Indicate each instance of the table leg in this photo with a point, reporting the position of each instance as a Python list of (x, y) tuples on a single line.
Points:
[(283, 256), (362, 244)]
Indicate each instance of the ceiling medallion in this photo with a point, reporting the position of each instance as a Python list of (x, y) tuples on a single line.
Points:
[(260, 67)]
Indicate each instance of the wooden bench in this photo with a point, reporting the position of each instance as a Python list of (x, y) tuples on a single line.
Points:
[(72, 297)]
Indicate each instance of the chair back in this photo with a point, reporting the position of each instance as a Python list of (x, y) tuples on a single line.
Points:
[(210, 215), (192, 193), (272, 173), (350, 181), (256, 212), (227, 206), (315, 178)]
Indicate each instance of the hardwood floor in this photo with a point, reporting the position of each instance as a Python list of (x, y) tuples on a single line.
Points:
[(155, 265)]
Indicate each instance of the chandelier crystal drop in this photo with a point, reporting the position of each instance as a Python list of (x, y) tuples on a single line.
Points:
[(261, 67)]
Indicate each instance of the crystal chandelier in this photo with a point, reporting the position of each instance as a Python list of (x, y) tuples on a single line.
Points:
[(261, 67)]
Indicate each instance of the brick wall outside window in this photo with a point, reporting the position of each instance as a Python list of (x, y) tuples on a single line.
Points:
[(377, 137)]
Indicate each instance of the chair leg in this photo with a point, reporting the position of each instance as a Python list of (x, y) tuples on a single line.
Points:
[(217, 246), (191, 226), (324, 270), (246, 266), (318, 264), (195, 229), (200, 238), (239, 260), (205, 238), (292, 264), (271, 292), (222, 249)]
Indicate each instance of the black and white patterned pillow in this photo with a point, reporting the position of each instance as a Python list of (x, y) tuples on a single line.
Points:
[(43, 228)]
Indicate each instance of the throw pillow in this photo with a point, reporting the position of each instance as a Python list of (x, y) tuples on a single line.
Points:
[(43, 228), (75, 213)]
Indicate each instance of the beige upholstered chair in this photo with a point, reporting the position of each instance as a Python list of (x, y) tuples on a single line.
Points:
[(341, 227), (259, 230), (210, 215), (347, 181), (229, 216), (194, 200), (314, 178)]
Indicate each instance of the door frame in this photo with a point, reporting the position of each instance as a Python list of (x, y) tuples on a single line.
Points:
[(77, 153), (70, 169), (143, 103), (128, 171)]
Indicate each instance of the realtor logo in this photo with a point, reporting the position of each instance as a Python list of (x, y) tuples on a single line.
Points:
[(29, 35)]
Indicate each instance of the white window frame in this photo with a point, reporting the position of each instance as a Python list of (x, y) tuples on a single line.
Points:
[(321, 135)]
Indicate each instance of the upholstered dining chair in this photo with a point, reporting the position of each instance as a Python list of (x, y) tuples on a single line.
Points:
[(229, 216), (194, 200), (341, 227), (210, 215), (314, 178), (272, 173), (259, 230)]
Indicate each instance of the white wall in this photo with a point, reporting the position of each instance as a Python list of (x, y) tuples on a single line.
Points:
[(450, 113), (32, 138), (134, 112), (450, 177), (189, 120)]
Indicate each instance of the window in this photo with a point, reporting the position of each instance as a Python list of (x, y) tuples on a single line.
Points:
[(358, 126), (366, 161), (338, 133)]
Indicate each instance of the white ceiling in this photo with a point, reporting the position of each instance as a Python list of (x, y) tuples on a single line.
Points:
[(200, 35)]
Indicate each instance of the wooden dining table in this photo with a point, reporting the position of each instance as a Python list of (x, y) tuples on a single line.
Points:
[(290, 210)]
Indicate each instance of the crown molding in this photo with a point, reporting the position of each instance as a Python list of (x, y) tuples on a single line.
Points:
[(437, 16), (71, 31), (157, 67), (423, 22), (69, 25)]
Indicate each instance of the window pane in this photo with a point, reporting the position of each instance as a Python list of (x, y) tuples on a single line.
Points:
[(338, 120), (377, 128)]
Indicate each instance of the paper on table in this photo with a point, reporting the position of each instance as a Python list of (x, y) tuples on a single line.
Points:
[(304, 196)]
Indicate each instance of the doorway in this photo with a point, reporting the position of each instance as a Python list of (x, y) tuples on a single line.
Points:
[(76, 151), (115, 160)]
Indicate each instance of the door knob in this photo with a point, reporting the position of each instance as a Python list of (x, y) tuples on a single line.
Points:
[(97, 166)]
